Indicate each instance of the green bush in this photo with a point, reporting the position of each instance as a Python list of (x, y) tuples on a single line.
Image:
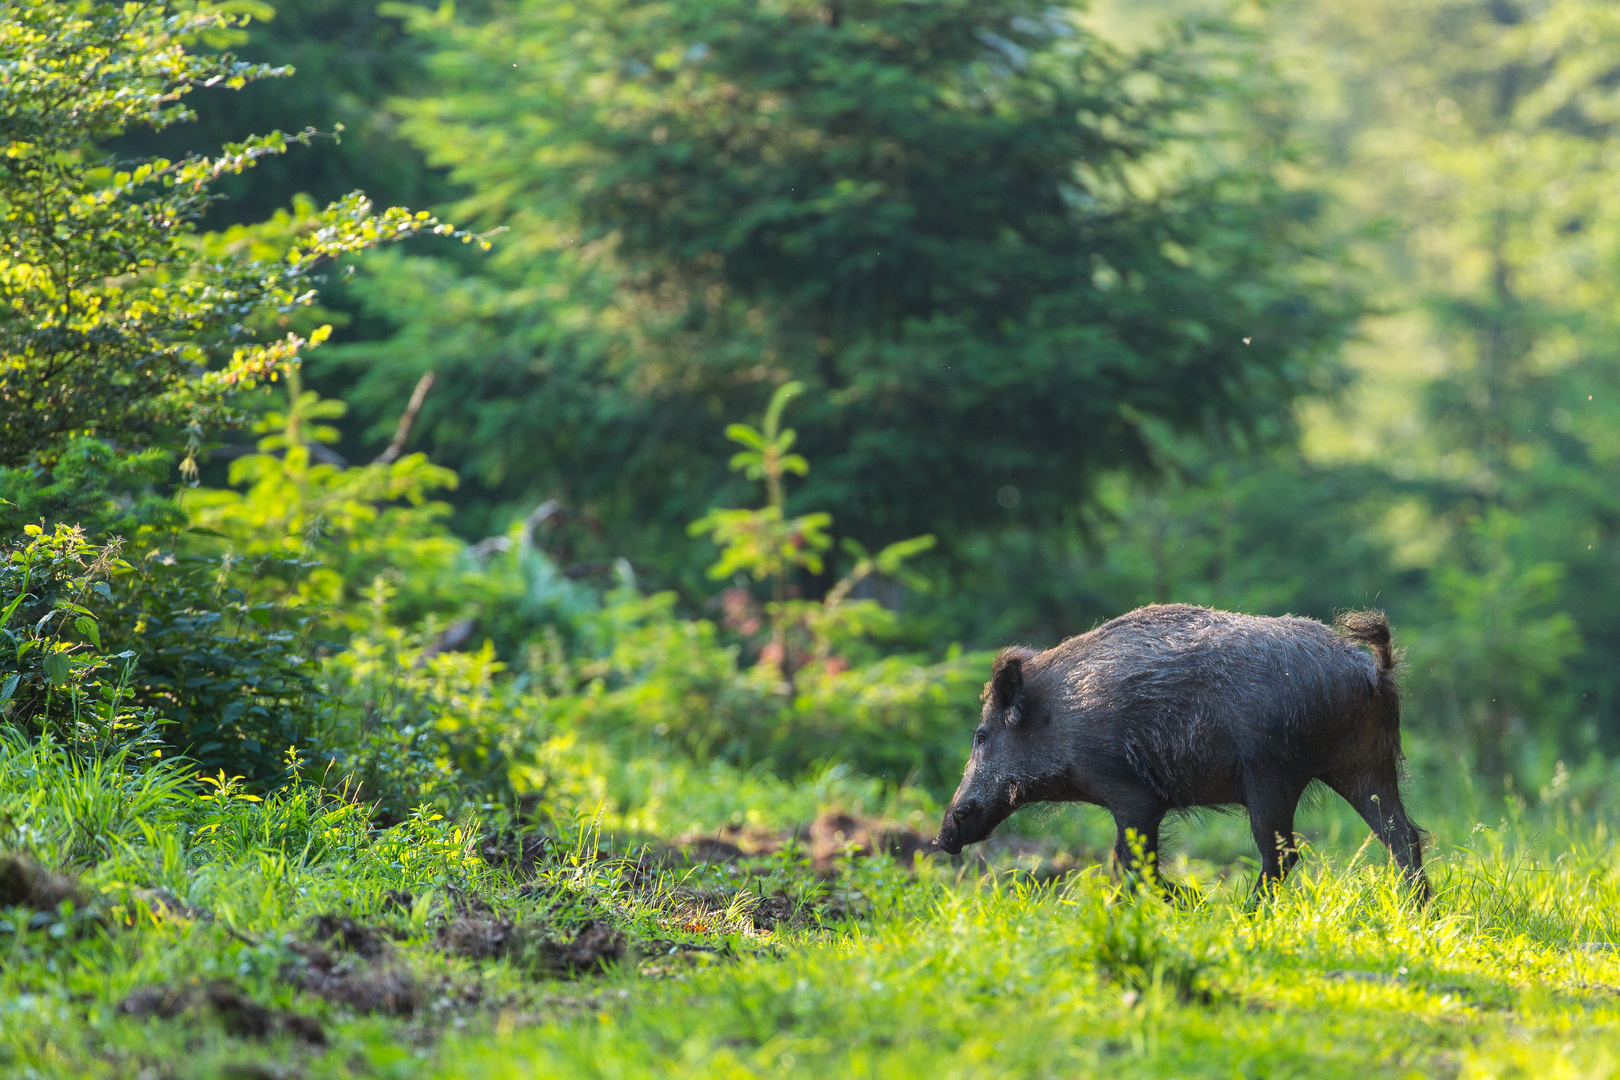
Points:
[(664, 679), (234, 677), (120, 324), (161, 652), (57, 675), (411, 725)]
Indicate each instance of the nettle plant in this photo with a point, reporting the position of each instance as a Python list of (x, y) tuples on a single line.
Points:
[(768, 546)]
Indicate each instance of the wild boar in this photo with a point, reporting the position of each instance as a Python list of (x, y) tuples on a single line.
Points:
[(1173, 707)]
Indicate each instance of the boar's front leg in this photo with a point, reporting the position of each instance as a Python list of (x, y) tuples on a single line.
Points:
[(1136, 847)]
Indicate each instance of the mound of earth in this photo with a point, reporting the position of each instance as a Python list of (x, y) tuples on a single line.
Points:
[(827, 839), (350, 964), (239, 1014), (593, 946)]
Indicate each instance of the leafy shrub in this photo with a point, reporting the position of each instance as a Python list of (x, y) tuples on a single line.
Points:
[(105, 491), (161, 653), (348, 524), (233, 676), (56, 675), (901, 718), (660, 677), (119, 323), (412, 725), (672, 680)]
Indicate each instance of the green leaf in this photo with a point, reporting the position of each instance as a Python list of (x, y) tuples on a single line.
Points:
[(87, 627), (779, 400), (11, 608), (747, 436), (890, 558), (58, 668), (10, 687)]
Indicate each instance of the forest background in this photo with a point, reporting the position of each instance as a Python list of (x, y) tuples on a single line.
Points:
[(1277, 308), (508, 509)]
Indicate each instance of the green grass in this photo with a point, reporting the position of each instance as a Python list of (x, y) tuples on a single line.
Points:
[(1336, 979), (885, 972)]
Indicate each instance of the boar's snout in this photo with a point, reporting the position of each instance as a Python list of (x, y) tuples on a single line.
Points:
[(960, 827)]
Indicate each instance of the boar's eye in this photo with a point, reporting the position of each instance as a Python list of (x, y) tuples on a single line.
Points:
[(979, 737)]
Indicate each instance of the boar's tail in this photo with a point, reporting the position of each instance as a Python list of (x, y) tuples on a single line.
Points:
[(1371, 629)]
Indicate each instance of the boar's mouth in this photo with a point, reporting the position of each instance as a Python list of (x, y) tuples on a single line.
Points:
[(968, 824)]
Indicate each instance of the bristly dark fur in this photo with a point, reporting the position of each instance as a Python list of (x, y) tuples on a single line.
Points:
[(1371, 629), (1174, 707)]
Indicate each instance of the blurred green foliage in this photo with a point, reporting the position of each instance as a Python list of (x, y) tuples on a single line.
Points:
[(1483, 135), (119, 326), (992, 245), (1066, 288), (345, 61)]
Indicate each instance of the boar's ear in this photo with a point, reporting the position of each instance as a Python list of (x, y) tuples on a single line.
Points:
[(1007, 681)]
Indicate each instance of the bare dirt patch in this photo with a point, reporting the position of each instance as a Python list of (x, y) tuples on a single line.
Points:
[(351, 964), (25, 883), (238, 1013), (518, 851), (835, 836), (826, 840), (344, 933), (591, 947)]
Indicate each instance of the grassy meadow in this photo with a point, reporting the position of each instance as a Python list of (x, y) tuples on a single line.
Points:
[(213, 933)]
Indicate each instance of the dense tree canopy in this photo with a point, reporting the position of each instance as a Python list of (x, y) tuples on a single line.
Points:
[(1046, 288), (341, 65), (997, 249)]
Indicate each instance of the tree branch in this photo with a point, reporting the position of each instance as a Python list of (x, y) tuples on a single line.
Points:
[(403, 431)]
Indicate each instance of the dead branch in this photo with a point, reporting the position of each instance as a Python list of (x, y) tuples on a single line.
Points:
[(403, 431)]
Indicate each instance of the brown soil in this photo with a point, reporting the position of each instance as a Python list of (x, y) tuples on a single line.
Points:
[(343, 933), (835, 836), (398, 901), (595, 946), (349, 964), (25, 882), (353, 982), (480, 937), (519, 851), (239, 1014), (774, 911), (827, 839)]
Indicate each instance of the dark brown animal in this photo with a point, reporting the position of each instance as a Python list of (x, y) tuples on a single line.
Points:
[(1173, 707)]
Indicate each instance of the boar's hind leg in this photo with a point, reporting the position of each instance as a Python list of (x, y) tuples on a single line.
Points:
[(1377, 798), (1271, 820)]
